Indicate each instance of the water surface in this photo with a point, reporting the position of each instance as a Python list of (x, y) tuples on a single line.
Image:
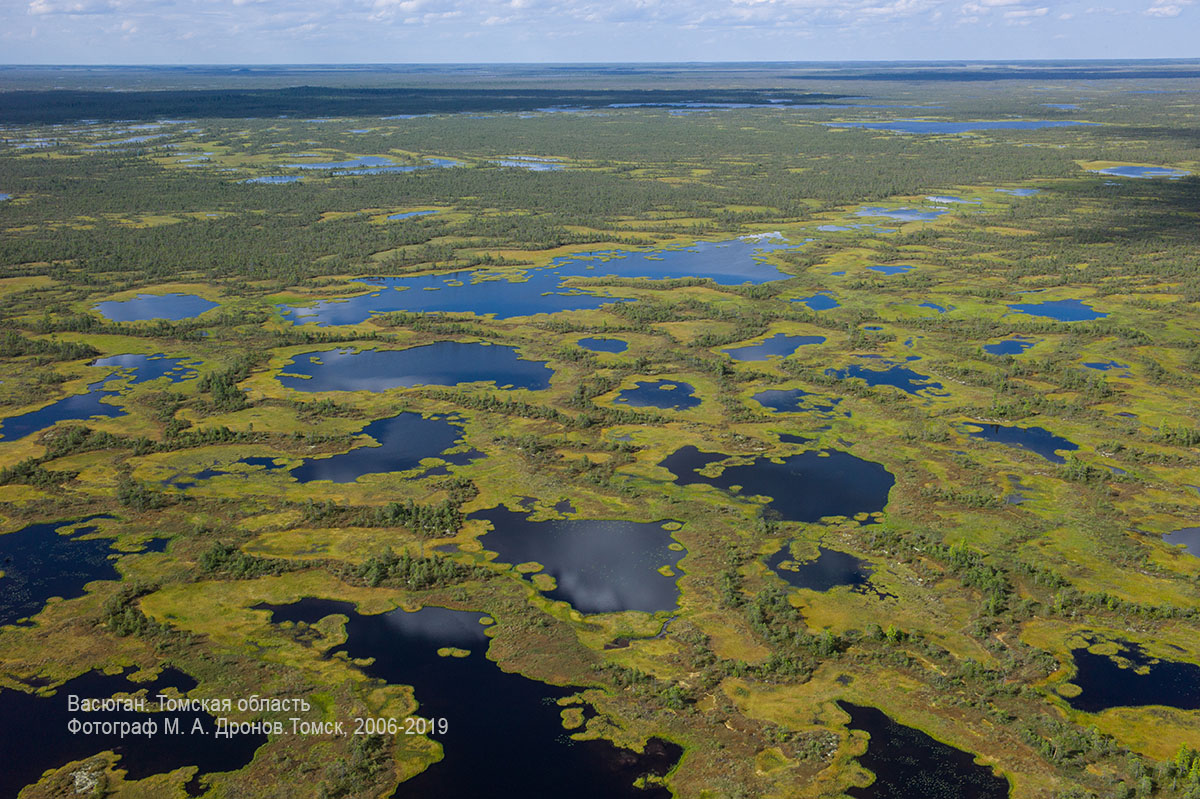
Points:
[(133, 369), (1020, 192), (893, 374), (401, 443), (672, 394), (410, 215), (908, 764), (1105, 683), (600, 566), (897, 269), (779, 345), (1061, 310), (1143, 172), (445, 363), (903, 214), (155, 306), (1189, 537), (47, 560), (509, 294), (805, 487), (603, 344), (505, 735), (821, 301), (1038, 440), (795, 400), (43, 742), (828, 570), (1010, 346)]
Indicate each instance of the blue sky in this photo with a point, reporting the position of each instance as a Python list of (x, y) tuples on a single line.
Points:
[(408, 31)]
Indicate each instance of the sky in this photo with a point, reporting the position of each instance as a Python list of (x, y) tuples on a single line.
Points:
[(472, 31)]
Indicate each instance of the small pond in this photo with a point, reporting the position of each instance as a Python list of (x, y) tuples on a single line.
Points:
[(1038, 440), (599, 566), (893, 374), (1010, 346), (1061, 310), (902, 214), (1188, 537), (821, 301), (1143, 172), (829, 570), (779, 345), (44, 743), (795, 400), (897, 269), (671, 394), (1105, 366), (532, 757), (908, 764), (1139, 682), (1020, 192), (172, 307), (272, 179), (601, 344), (446, 363), (410, 215), (804, 487), (934, 306)]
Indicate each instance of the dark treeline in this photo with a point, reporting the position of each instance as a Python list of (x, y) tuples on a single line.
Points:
[(56, 106)]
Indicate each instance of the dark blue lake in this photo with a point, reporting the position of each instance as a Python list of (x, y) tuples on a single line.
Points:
[(1105, 366), (1062, 310), (803, 488), (933, 306), (903, 214), (919, 126), (409, 215), (1038, 440), (779, 345), (508, 294), (155, 306), (51, 559), (505, 735), (1105, 683), (446, 363), (1188, 537), (1010, 346), (401, 443), (671, 394), (795, 400), (600, 566), (829, 570), (821, 301), (613, 345), (908, 764), (1143, 172), (893, 374), (132, 368), (898, 269), (44, 742)]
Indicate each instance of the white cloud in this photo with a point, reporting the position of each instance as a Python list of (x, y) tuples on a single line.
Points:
[(1166, 8)]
